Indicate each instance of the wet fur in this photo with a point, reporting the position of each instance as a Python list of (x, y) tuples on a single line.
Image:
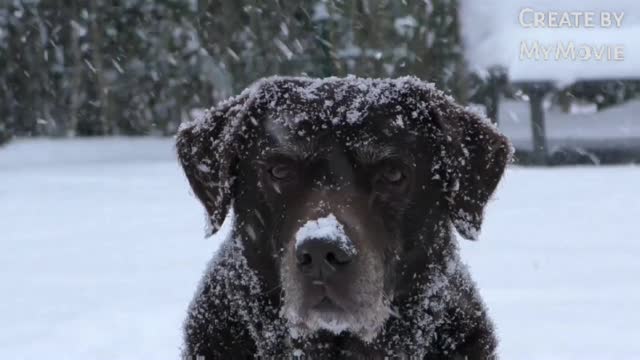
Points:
[(244, 304)]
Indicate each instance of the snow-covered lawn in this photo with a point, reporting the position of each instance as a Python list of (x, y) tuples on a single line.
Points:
[(101, 248)]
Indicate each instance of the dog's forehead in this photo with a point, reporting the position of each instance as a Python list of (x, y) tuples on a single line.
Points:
[(369, 141), (277, 131), (343, 102), (354, 113)]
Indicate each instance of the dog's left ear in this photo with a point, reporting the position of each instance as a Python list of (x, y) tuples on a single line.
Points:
[(480, 154), (208, 151)]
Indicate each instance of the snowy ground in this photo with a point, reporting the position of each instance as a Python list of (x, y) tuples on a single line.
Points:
[(101, 248)]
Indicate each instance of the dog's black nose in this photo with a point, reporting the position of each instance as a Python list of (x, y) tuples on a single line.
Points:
[(321, 258)]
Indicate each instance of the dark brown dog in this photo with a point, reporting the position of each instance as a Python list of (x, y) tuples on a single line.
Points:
[(344, 194)]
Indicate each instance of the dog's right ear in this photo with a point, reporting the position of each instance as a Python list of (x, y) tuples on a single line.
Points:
[(207, 150), (481, 155)]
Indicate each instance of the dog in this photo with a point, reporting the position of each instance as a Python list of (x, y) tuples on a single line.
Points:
[(343, 196)]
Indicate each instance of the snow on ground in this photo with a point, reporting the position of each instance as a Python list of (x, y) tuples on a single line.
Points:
[(101, 248), (558, 263)]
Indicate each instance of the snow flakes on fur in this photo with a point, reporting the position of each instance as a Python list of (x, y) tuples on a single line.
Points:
[(231, 284), (469, 157), (208, 145)]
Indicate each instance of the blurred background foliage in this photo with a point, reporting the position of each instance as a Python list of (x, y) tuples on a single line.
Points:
[(140, 67), (136, 67)]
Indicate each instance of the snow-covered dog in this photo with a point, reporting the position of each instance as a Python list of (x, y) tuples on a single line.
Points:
[(343, 196)]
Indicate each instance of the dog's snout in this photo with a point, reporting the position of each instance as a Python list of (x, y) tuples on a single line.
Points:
[(323, 248), (321, 258)]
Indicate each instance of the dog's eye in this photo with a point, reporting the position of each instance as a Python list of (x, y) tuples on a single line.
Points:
[(282, 172), (392, 174)]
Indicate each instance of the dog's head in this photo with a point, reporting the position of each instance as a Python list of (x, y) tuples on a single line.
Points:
[(343, 188)]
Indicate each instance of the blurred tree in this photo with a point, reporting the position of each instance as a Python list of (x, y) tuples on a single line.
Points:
[(486, 90), (375, 38), (104, 67)]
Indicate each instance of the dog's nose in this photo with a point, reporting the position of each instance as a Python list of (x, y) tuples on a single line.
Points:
[(321, 258)]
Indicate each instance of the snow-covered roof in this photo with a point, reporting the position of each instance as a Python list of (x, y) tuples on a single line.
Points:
[(614, 127), (493, 33)]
